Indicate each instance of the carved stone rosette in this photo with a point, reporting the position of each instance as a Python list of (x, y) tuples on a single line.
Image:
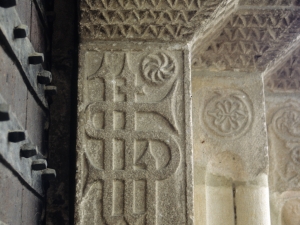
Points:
[(228, 113)]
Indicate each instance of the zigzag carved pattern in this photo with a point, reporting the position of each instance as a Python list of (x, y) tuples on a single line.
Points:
[(287, 78), (145, 4), (247, 38), (145, 19), (271, 2)]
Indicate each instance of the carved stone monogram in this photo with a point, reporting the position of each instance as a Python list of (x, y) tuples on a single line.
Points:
[(143, 19), (228, 113), (133, 139)]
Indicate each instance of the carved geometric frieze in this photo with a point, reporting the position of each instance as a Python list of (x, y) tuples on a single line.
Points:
[(169, 20), (286, 76), (277, 3), (133, 138), (228, 115), (249, 38)]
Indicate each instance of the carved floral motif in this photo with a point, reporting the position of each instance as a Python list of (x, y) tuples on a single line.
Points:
[(228, 114), (286, 123), (158, 68)]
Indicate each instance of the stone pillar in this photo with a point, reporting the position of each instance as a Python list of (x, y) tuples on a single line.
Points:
[(230, 143), (219, 190), (283, 118), (134, 134), (252, 202)]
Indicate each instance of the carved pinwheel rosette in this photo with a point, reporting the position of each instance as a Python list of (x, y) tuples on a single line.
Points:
[(158, 68), (286, 123), (228, 114)]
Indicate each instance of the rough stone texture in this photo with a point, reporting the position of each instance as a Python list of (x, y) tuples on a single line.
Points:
[(134, 146)]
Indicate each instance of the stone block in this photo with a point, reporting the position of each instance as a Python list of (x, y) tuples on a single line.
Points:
[(134, 134), (10, 197)]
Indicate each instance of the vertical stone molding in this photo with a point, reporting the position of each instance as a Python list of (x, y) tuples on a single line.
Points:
[(230, 145), (134, 138)]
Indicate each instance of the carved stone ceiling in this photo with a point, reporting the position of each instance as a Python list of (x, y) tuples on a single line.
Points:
[(242, 35), (285, 76), (248, 38), (164, 20)]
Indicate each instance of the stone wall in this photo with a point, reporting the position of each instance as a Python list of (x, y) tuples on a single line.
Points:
[(23, 99)]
